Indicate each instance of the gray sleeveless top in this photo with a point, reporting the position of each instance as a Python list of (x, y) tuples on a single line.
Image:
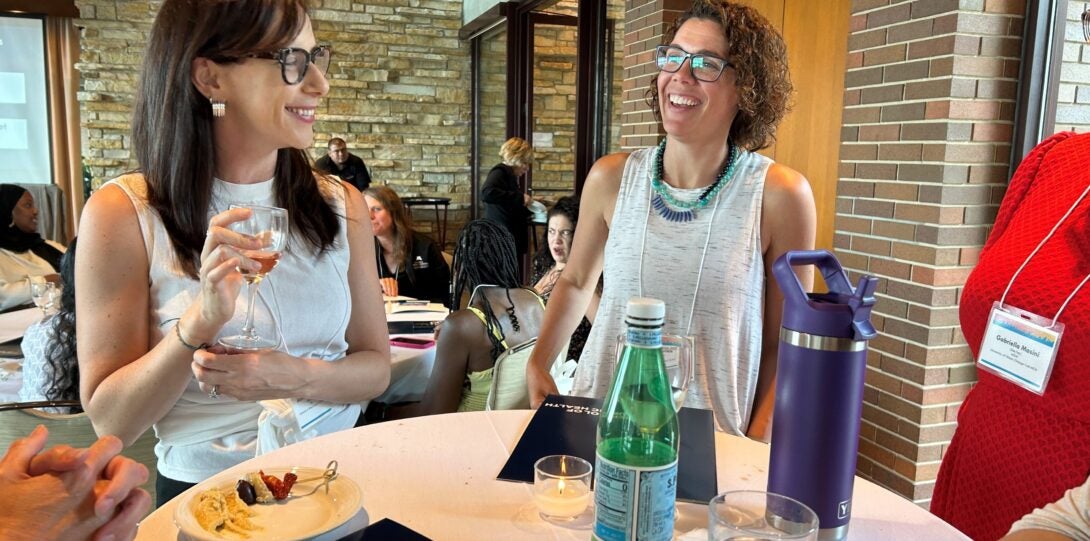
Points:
[(729, 300)]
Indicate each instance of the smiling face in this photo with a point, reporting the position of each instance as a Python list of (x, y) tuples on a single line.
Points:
[(381, 221), (265, 111), (692, 109), (25, 215), (560, 234)]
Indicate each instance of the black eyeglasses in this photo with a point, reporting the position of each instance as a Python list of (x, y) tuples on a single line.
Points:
[(704, 67), (295, 61)]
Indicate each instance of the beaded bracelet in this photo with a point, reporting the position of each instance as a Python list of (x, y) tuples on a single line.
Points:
[(187, 345)]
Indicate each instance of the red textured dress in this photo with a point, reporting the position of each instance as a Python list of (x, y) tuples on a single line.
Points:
[(1013, 450)]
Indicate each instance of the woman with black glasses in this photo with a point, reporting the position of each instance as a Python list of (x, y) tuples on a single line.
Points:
[(224, 109), (696, 221)]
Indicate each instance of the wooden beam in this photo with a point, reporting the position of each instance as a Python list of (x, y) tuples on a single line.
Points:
[(57, 8)]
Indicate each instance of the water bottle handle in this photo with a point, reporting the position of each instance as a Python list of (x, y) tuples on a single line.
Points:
[(827, 265)]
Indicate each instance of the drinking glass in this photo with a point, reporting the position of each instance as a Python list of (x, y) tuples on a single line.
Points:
[(45, 295), (270, 225), (677, 353), (755, 515)]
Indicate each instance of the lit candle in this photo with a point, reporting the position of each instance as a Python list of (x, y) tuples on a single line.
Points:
[(560, 498)]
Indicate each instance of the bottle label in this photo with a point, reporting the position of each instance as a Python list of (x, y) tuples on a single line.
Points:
[(632, 502), (648, 338)]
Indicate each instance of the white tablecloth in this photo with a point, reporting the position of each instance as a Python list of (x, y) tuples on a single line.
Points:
[(437, 475), (14, 324), (409, 372), (11, 379)]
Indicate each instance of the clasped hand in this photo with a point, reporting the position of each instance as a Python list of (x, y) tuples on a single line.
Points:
[(248, 376), (66, 493)]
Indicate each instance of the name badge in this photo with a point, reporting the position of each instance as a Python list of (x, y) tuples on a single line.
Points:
[(1020, 347)]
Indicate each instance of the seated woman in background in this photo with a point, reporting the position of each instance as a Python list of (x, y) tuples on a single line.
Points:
[(50, 371), (24, 255), (471, 340), (409, 263), (551, 259)]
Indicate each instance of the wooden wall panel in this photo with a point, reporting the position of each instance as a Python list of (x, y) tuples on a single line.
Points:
[(808, 139), (816, 34)]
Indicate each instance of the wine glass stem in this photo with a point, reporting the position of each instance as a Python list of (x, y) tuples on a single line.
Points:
[(248, 328)]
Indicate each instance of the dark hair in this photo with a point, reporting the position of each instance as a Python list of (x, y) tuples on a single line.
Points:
[(61, 335), (334, 141), (485, 254), (568, 207), (757, 52), (402, 222), (172, 121)]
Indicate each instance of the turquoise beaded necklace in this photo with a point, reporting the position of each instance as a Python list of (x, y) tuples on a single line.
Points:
[(674, 210)]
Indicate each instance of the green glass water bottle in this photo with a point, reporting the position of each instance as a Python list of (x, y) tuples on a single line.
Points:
[(635, 474)]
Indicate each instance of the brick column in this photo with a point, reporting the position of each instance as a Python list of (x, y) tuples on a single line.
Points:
[(929, 105), (645, 22)]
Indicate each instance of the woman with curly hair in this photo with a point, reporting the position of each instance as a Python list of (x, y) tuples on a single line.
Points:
[(696, 221), (50, 371), (551, 259)]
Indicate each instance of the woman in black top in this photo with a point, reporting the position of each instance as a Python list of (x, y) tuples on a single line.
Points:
[(409, 263), (504, 201)]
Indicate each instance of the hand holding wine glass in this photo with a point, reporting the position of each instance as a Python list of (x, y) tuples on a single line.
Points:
[(268, 225)]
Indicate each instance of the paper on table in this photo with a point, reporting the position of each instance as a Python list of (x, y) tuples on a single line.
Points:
[(14, 324)]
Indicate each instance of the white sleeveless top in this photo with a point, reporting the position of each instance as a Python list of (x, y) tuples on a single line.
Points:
[(727, 318), (308, 297)]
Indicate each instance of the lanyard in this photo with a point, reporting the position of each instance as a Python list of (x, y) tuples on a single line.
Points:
[(703, 254), (1034, 252)]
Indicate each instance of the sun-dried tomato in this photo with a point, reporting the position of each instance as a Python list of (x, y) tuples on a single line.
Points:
[(276, 486), (289, 481)]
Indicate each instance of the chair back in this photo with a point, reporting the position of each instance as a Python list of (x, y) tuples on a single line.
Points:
[(19, 419), (508, 390)]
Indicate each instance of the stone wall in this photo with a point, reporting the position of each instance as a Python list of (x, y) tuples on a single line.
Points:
[(399, 90), (1073, 101), (929, 108)]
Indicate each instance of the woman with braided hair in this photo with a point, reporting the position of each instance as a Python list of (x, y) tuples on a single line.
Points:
[(500, 314)]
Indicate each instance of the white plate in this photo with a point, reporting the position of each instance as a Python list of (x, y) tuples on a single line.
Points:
[(294, 519)]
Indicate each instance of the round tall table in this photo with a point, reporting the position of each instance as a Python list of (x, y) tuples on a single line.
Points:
[(437, 475)]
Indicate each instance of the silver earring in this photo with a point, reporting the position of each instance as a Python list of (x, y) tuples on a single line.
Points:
[(219, 108)]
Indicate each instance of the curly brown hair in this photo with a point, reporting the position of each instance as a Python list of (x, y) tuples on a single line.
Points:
[(759, 57)]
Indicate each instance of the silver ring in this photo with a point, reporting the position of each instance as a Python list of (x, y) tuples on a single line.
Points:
[(215, 392)]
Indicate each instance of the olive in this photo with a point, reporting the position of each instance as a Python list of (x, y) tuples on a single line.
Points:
[(246, 492)]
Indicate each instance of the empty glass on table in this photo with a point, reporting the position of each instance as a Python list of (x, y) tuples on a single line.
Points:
[(755, 515), (45, 295)]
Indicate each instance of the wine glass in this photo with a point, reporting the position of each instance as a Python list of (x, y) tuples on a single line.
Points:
[(45, 295), (270, 225), (677, 353)]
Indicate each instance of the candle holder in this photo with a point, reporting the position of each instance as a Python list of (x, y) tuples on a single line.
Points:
[(561, 487)]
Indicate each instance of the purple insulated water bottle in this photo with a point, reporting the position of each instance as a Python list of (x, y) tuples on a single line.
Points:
[(819, 389)]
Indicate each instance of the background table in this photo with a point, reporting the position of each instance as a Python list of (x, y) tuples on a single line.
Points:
[(437, 475), (410, 370)]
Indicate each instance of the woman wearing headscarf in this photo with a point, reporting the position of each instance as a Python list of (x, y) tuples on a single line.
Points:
[(24, 255)]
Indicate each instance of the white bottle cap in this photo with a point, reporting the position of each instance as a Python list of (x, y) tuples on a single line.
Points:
[(645, 312)]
